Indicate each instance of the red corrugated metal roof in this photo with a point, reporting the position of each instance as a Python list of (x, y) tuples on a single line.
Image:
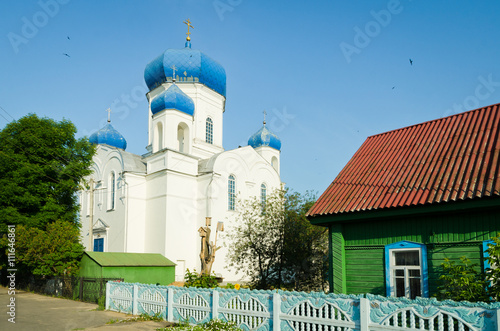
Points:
[(448, 159)]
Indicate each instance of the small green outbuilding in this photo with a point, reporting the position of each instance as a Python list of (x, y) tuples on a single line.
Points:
[(146, 268)]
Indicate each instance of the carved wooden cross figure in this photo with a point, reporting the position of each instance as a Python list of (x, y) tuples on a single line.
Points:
[(188, 23)]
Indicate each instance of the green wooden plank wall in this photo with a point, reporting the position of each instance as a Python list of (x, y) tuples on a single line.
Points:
[(337, 260), (365, 266), (365, 271), (445, 228)]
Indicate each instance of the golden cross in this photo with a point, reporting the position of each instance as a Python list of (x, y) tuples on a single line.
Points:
[(173, 69), (188, 23), (265, 113)]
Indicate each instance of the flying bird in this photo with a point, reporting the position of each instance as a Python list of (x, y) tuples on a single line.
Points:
[(411, 62), (66, 54), (68, 38), (393, 87)]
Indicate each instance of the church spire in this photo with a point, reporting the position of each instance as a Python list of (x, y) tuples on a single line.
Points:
[(188, 38)]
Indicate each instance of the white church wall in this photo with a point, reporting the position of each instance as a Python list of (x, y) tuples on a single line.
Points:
[(135, 206), (155, 215), (172, 160), (271, 155), (250, 171)]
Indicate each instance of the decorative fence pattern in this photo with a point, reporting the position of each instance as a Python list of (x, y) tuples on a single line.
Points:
[(294, 311)]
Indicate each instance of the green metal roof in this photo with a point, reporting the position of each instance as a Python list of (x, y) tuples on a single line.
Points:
[(109, 259)]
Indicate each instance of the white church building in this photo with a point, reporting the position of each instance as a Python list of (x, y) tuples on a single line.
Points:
[(157, 202)]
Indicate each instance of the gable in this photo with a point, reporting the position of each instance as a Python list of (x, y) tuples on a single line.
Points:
[(455, 158)]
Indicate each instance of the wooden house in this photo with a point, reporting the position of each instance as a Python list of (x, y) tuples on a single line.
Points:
[(409, 198)]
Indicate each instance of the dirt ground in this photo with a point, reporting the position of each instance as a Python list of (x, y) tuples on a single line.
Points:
[(39, 312)]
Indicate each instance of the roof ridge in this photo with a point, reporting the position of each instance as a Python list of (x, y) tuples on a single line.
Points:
[(436, 120)]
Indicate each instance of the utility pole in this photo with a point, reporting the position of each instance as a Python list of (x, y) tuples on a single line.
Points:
[(91, 219)]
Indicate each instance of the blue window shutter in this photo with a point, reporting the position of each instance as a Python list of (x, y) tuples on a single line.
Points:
[(485, 253)]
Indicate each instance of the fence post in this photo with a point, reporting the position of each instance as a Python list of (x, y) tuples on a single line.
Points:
[(81, 289), (135, 296), (215, 304), (170, 304), (276, 311), (364, 314), (498, 319), (108, 294)]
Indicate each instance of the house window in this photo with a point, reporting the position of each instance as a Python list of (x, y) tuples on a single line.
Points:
[(209, 137), (406, 272), (112, 191), (99, 245), (231, 192)]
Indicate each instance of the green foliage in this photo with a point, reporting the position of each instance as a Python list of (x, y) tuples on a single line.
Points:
[(101, 302), (276, 245), (212, 325), (57, 251), (493, 272), (41, 168), (193, 279), (462, 282)]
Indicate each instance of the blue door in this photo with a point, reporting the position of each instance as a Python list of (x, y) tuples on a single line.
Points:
[(99, 245)]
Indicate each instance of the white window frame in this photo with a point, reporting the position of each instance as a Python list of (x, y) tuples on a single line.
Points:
[(231, 192), (111, 190), (209, 130), (390, 267)]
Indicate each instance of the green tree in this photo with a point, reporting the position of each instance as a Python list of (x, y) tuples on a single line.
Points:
[(462, 281), (57, 251), (493, 272), (275, 245), (41, 167)]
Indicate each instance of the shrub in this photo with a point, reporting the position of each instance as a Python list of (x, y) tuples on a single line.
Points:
[(462, 281), (193, 279)]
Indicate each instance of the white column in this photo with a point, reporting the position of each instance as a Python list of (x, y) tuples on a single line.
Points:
[(215, 304), (135, 296), (108, 294), (364, 314), (170, 304), (276, 311)]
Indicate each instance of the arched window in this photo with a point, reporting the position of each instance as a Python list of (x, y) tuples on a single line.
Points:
[(183, 138), (112, 191), (209, 136), (274, 163), (158, 144), (231, 192), (263, 194)]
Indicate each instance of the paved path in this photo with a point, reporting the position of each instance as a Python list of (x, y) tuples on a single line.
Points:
[(39, 312)]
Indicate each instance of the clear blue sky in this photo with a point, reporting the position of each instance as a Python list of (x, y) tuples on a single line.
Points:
[(328, 73)]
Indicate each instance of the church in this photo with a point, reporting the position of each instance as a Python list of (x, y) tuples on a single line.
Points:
[(177, 197)]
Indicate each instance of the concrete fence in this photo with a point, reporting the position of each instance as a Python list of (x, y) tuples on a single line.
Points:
[(281, 310)]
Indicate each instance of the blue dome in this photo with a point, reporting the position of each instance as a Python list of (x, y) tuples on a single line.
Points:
[(264, 137), (173, 98), (191, 66), (108, 135)]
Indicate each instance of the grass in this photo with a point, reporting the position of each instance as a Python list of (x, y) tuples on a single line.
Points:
[(213, 325), (141, 318)]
